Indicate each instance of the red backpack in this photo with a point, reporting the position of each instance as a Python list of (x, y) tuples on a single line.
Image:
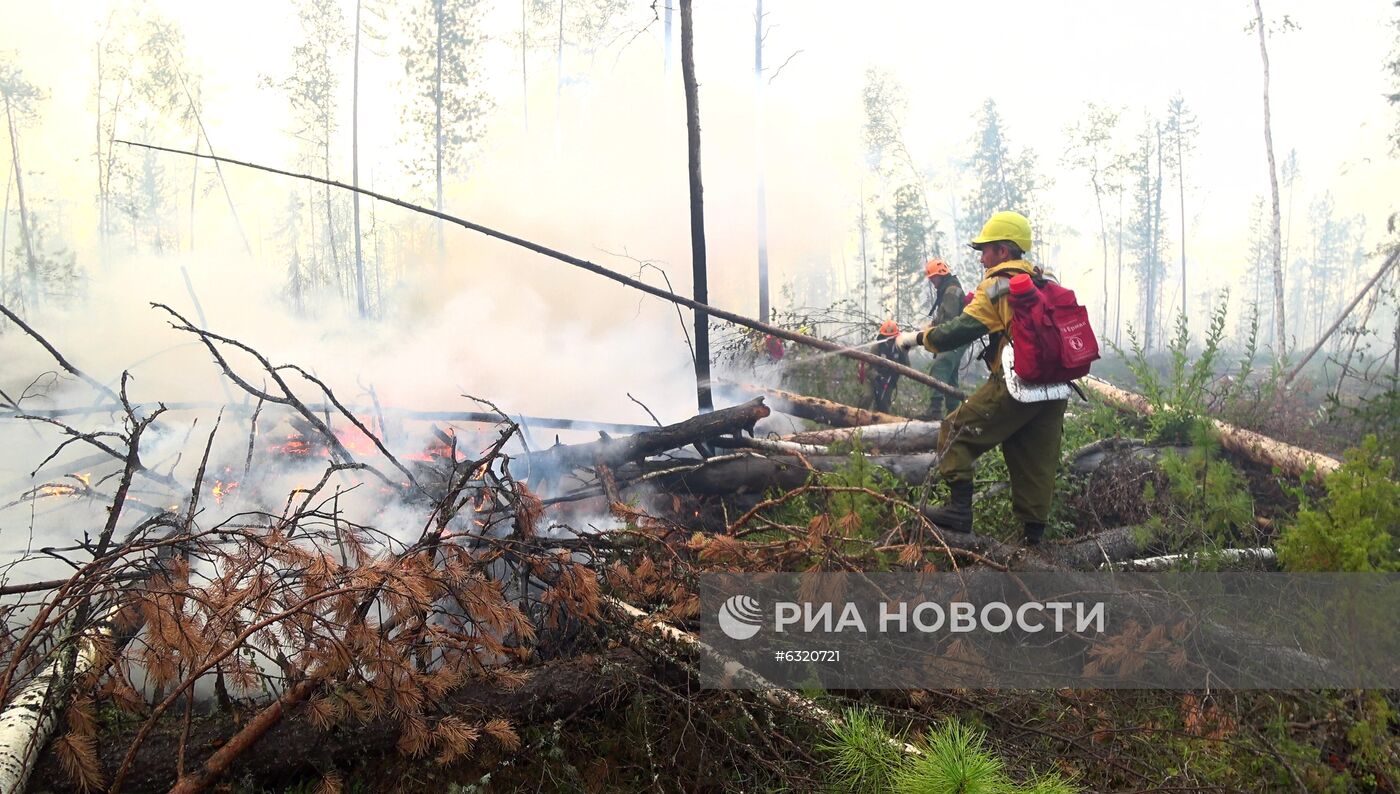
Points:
[(1050, 335)]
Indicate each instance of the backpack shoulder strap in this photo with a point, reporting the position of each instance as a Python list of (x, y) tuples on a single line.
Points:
[(998, 288)]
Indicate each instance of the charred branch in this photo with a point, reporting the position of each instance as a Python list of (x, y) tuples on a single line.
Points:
[(560, 459)]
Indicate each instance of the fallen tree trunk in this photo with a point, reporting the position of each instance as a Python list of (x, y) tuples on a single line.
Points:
[(1295, 461), (755, 474), (1321, 340), (1257, 557), (1110, 545), (614, 452), (29, 719), (294, 750), (815, 408), (905, 436)]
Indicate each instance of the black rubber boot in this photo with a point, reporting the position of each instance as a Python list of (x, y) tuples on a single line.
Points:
[(955, 515), (1033, 533)]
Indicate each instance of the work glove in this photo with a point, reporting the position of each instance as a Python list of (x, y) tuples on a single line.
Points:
[(907, 340)]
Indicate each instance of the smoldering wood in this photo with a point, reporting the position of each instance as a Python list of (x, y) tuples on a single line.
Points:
[(614, 452), (815, 408)]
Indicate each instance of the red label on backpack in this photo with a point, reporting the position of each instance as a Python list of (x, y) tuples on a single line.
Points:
[(1051, 339)]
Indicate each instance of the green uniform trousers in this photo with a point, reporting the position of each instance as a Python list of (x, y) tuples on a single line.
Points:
[(945, 368), (1029, 435)]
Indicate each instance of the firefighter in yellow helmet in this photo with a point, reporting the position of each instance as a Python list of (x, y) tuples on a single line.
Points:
[(1027, 432), (879, 382), (946, 302)]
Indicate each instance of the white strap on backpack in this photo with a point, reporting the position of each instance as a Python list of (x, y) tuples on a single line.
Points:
[(1023, 392)]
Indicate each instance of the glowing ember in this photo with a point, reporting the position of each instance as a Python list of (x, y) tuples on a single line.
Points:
[(58, 490), (222, 489), (296, 445)]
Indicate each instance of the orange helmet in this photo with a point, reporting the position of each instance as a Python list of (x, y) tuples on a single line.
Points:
[(889, 328), (936, 267)]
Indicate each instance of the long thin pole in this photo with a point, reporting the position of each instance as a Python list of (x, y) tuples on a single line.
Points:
[(723, 314), (697, 210)]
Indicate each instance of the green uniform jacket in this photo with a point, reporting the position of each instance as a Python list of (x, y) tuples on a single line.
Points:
[(947, 302), (988, 313)]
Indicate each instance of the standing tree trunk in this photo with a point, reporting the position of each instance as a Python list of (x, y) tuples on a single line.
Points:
[(864, 258), (1275, 241), (361, 303), (31, 261), (330, 217), (763, 313), (559, 78), (1118, 304), (524, 65), (1155, 303), (1181, 196), (101, 185), (194, 186), (697, 210), (667, 63), (1103, 238), (437, 130)]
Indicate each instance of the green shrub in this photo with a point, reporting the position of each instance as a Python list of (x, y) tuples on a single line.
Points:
[(1209, 493), (865, 757), (1357, 526), (1178, 398)]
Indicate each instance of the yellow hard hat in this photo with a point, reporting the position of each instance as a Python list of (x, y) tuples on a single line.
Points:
[(1011, 226)]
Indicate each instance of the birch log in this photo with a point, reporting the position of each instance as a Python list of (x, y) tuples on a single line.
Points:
[(29, 719)]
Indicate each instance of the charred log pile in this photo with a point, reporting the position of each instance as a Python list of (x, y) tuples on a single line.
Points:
[(489, 593)]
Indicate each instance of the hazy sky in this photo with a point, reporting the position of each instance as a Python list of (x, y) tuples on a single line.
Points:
[(610, 177)]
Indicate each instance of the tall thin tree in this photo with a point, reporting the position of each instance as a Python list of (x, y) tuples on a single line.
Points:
[(1276, 251), (1089, 140), (762, 220), (19, 96), (360, 300), (443, 60), (697, 209), (1181, 130)]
